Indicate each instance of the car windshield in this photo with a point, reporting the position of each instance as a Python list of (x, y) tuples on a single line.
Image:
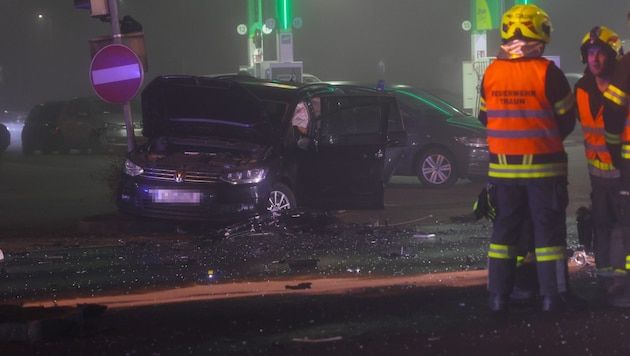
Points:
[(46, 113), (426, 103)]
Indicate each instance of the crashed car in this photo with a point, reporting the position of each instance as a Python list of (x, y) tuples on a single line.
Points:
[(222, 147)]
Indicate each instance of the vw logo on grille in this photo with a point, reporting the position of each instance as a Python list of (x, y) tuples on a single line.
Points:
[(180, 176)]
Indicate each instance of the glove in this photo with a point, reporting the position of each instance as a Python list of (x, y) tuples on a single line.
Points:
[(483, 207)]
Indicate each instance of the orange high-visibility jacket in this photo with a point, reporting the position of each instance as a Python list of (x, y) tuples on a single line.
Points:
[(597, 155), (522, 126)]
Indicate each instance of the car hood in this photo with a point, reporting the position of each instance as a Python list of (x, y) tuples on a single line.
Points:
[(201, 107), (468, 124)]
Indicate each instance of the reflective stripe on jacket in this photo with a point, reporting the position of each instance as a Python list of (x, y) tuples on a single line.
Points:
[(620, 98), (523, 136)]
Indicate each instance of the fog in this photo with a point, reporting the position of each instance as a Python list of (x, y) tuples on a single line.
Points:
[(421, 42)]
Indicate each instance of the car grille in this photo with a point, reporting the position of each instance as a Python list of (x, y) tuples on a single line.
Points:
[(168, 175)]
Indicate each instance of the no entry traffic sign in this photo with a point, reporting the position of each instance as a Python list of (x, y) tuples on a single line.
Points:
[(116, 74)]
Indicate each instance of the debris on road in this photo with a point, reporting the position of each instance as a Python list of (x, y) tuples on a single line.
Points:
[(306, 285), (328, 339)]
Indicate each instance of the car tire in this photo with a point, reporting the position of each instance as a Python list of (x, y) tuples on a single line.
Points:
[(281, 198), (436, 168)]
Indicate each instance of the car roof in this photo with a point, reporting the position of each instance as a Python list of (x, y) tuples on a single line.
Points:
[(272, 88)]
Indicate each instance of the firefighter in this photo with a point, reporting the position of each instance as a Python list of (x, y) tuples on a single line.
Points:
[(525, 288), (617, 131), (600, 50), (528, 109)]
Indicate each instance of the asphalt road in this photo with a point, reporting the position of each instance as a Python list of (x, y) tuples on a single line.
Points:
[(58, 219), (65, 245)]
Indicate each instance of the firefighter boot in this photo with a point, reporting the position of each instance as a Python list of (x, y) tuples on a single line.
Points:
[(526, 284), (501, 274), (622, 300), (554, 285), (617, 286)]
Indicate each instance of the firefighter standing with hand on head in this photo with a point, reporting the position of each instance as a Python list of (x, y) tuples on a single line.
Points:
[(528, 108), (617, 131), (600, 50)]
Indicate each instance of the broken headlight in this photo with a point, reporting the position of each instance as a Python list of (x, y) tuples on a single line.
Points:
[(246, 176), (132, 169)]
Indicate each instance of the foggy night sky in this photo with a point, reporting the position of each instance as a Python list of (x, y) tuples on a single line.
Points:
[(420, 41)]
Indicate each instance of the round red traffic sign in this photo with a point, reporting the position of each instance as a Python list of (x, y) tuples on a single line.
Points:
[(116, 74)]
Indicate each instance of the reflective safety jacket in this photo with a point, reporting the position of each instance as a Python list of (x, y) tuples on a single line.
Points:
[(619, 98), (617, 119), (592, 119), (522, 121)]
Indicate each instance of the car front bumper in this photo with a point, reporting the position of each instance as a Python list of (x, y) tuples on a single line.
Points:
[(478, 162), (176, 201)]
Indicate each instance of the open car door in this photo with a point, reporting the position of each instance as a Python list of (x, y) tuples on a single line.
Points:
[(343, 167)]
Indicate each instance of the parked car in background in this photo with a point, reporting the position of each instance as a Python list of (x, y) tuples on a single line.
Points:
[(12, 120), (5, 137), (310, 78), (41, 131), (220, 148), (444, 144), (89, 123)]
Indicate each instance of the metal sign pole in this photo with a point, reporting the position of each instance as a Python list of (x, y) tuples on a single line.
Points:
[(117, 37)]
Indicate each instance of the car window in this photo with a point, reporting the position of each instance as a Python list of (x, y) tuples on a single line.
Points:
[(351, 125), (394, 122), (104, 108), (424, 104), (51, 111), (82, 108), (35, 115), (275, 110)]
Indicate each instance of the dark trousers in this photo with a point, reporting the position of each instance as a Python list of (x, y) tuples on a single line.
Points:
[(604, 192), (545, 202)]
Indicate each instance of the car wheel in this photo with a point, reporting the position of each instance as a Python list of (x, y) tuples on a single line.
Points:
[(281, 198), (436, 168)]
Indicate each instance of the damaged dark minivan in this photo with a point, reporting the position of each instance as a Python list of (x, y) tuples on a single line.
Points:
[(219, 148)]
